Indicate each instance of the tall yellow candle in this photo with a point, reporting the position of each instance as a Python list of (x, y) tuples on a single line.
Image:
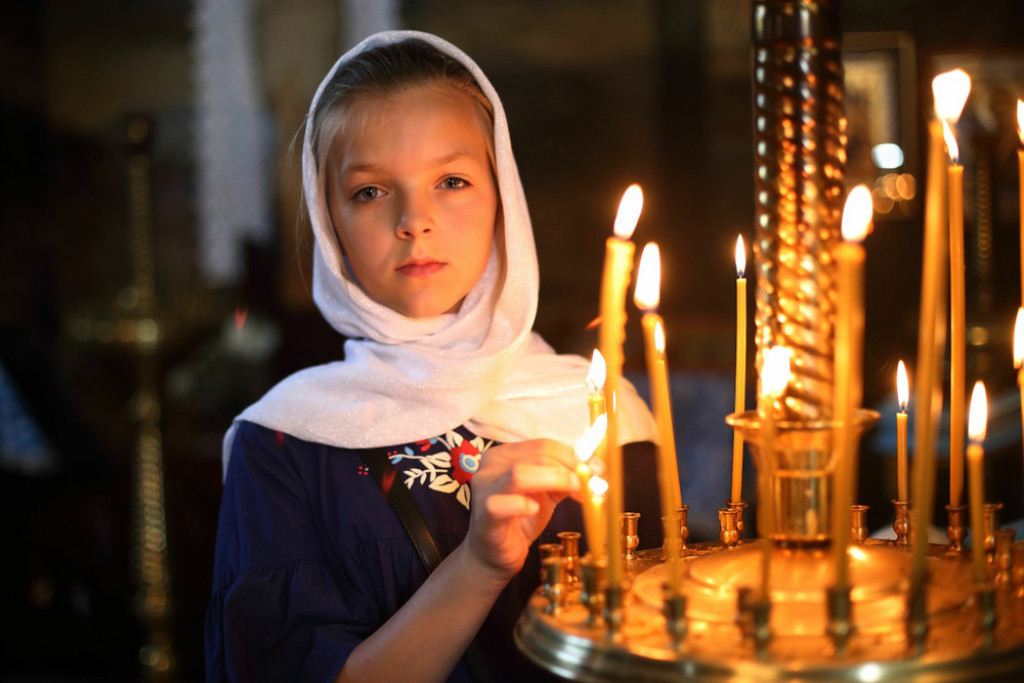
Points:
[(741, 367), (1020, 181), (975, 457), (849, 258), (931, 337), (618, 268), (647, 296), (775, 376), (589, 469), (957, 333), (595, 382), (902, 395), (1018, 357)]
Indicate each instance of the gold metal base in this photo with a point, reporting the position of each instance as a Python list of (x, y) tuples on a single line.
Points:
[(801, 645)]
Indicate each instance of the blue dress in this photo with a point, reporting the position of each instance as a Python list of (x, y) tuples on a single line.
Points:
[(311, 558)]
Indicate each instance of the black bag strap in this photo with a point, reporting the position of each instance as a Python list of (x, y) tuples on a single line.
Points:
[(405, 506)]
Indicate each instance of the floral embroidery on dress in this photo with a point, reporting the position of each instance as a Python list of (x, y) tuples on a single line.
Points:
[(449, 469)]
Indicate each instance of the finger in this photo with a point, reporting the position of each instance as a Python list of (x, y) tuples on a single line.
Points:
[(530, 478), (511, 506), (537, 451)]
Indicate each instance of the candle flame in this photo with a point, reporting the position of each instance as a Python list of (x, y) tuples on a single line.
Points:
[(902, 386), (1020, 120), (591, 438), (978, 414), (648, 279), (775, 372), (597, 372), (951, 90), (598, 486), (857, 214), (659, 337), (951, 146), (1018, 339), (629, 211), (741, 257)]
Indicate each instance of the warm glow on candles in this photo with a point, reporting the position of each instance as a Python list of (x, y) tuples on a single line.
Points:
[(618, 268), (902, 396), (1018, 340), (849, 334), (630, 205), (775, 372), (1020, 190), (957, 318), (951, 90), (775, 376), (741, 368), (976, 426), (647, 295), (587, 469)]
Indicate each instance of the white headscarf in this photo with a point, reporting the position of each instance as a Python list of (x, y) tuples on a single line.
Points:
[(405, 379)]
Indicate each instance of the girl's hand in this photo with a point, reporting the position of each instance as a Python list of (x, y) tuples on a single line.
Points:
[(515, 492)]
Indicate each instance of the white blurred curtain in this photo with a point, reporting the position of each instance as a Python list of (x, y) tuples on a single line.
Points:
[(233, 139)]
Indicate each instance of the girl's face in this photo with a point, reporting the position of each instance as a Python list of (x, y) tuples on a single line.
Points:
[(412, 197)]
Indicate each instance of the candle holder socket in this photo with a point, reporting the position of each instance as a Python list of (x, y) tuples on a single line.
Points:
[(1004, 555), (593, 591), (795, 478), (1017, 572), (613, 611), (739, 506), (630, 537), (728, 535), (991, 512), (554, 584), (571, 551), (548, 551), (684, 530), (675, 615), (672, 546), (901, 523), (839, 623), (956, 531), (858, 523)]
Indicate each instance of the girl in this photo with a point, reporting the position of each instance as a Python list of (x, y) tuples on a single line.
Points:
[(425, 262)]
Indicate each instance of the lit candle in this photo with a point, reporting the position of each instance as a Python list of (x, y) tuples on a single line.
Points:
[(902, 395), (1018, 356), (741, 367), (589, 468), (595, 382), (1020, 181), (975, 457), (849, 335), (775, 376), (618, 268), (647, 296), (957, 335), (931, 332)]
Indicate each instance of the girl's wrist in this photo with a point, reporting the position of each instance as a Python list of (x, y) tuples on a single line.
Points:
[(482, 574)]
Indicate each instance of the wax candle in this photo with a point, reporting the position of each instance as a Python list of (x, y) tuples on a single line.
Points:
[(957, 334), (588, 468), (931, 341), (902, 395), (1018, 357), (741, 367), (647, 296), (618, 268), (975, 457), (1020, 193), (595, 382), (849, 258), (775, 376)]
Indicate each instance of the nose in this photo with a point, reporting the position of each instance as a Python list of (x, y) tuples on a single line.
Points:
[(415, 218)]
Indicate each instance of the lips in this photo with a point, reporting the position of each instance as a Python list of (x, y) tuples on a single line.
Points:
[(420, 267)]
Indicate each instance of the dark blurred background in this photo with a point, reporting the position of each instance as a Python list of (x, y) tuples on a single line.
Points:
[(104, 138)]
